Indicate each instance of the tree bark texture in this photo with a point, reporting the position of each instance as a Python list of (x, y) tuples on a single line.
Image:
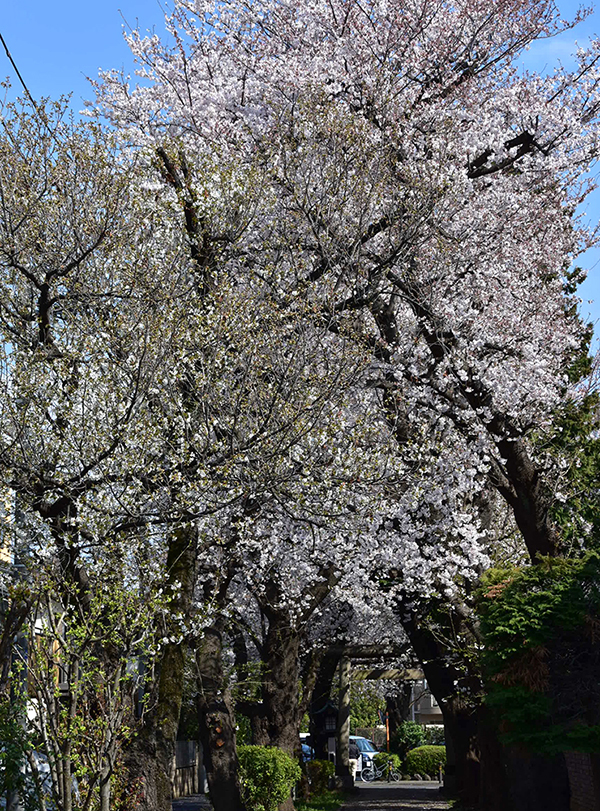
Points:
[(217, 723), (280, 682), (398, 706), (280, 687), (281, 661), (536, 782), (460, 716), (342, 765), (151, 754), (181, 568), (141, 762)]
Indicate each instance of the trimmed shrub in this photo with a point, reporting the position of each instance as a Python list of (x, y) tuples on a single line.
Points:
[(267, 775), (408, 735), (425, 759), (319, 772), (382, 758)]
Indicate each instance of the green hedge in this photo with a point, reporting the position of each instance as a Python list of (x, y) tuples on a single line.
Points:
[(408, 736), (319, 772), (381, 759), (267, 775), (425, 760)]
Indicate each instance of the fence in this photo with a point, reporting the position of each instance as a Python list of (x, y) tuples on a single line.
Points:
[(189, 777)]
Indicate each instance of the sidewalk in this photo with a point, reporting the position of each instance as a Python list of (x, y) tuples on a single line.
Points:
[(195, 802), (404, 796)]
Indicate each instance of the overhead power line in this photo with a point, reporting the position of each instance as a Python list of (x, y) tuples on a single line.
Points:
[(17, 71)]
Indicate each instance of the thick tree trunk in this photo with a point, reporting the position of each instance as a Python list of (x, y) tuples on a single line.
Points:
[(536, 782), (280, 687), (462, 746), (151, 754), (514, 779), (493, 780), (479, 768), (260, 728), (342, 763), (141, 762), (398, 706), (280, 683), (217, 723), (525, 490), (460, 716), (276, 719), (181, 568), (522, 484)]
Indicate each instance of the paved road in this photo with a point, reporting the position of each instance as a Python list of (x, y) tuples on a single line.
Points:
[(405, 796)]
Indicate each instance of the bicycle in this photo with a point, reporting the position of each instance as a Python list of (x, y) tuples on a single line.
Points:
[(376, 772)]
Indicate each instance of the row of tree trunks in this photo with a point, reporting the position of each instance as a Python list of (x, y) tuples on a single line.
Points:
[(477, 762), (275, 720), (274, 717)]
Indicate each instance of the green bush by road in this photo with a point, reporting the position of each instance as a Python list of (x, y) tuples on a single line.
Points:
[(425, 760)]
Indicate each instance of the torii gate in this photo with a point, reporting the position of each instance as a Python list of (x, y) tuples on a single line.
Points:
[(348, 652)]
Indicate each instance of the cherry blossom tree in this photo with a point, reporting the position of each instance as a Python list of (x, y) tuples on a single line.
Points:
[(426, 187), (421, 196), (148, 409), (344, 255)]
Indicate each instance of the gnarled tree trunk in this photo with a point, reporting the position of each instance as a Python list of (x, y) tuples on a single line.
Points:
[(150, 756), (460, 715), (217, 723), (280, 687), (398, 706)]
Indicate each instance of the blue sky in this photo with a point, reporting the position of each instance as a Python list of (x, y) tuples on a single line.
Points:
[(57, 44)]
